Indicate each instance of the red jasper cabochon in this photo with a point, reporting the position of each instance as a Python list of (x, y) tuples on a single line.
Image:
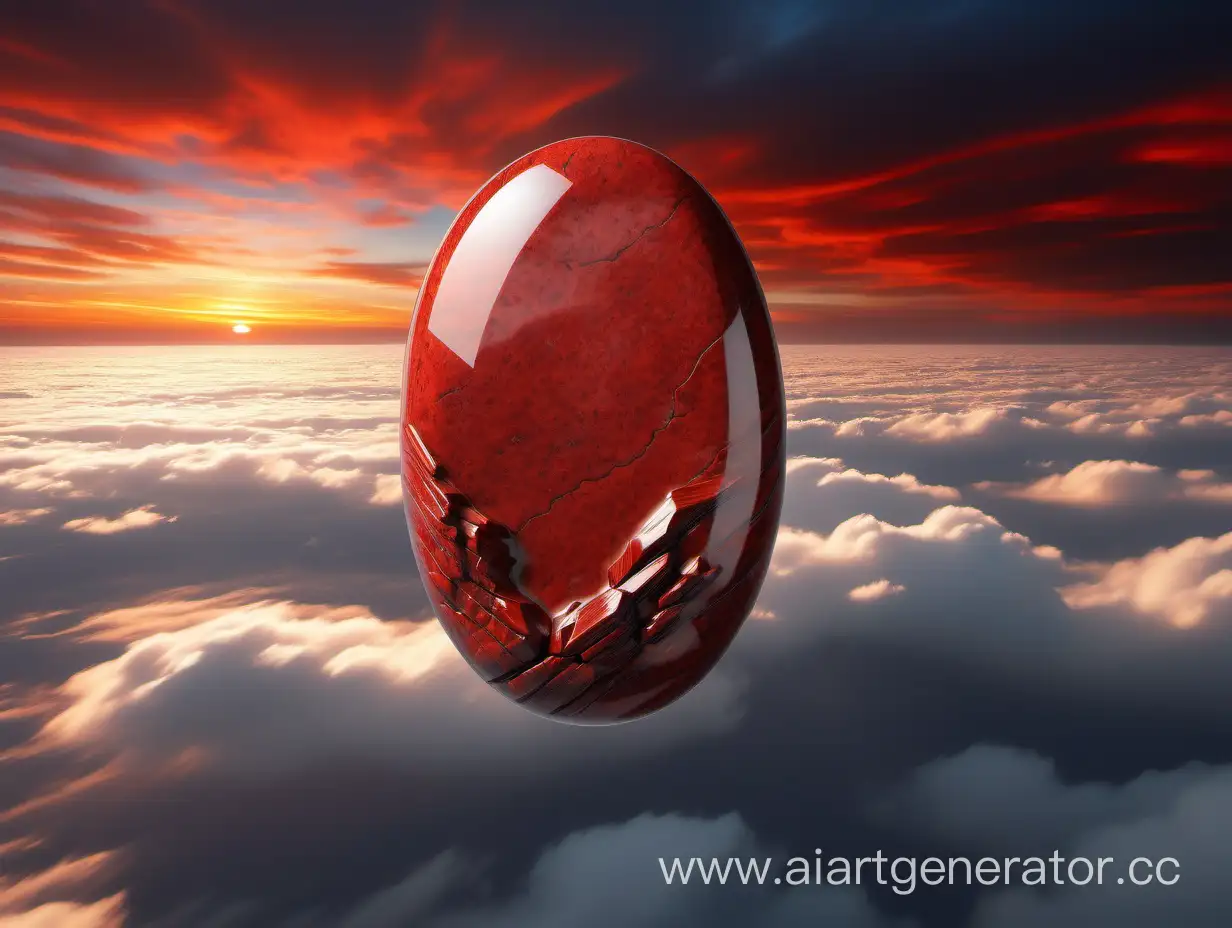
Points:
[(592, 431)]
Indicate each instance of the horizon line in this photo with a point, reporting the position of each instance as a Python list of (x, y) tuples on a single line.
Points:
[(851, 342)]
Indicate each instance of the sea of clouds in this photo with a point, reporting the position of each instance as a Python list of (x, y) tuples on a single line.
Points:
[(998, 620)]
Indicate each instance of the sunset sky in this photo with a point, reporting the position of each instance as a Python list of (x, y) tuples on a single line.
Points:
[(963, 170), (998, 617)]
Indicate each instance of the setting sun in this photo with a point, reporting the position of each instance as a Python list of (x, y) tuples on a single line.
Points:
[(241, 329)]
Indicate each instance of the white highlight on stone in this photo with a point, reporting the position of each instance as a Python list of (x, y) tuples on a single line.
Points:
[(486, 253)]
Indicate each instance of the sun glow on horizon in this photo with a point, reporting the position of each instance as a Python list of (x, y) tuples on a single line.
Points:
[(241, 328)]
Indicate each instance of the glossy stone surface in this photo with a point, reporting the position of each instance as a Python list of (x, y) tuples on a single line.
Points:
[(593, 431)]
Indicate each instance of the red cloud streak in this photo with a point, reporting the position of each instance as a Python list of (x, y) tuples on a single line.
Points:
[(1126, 213)]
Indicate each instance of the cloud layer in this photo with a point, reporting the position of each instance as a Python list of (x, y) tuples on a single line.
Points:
[(242, 714), (172, 155)]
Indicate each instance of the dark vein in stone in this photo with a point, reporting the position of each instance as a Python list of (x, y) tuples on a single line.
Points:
[(646, 231), (671, 416)]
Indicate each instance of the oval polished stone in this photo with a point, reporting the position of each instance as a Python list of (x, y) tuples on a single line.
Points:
[(592, 431)]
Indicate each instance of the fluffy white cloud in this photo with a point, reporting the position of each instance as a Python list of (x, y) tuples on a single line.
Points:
[(968, 591), (386, 490), (878, 589), (1223, 417), (144, 517), (977, 396), (957, 583), (1184, 585), (65, 895), (822, 492), (1103, 483), (1203, 484), (22, 516), (271, 686), (105, 913), (61, 467), (333, 453), (281, 470), (59, 457), (945, 426), (924, 426), (905, 483), (1100, 424), (862, 537), (169, 611)]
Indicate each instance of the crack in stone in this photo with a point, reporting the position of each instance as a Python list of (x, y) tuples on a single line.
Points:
[(646, 231), (448, 392), (709, 464), (671, 416)]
